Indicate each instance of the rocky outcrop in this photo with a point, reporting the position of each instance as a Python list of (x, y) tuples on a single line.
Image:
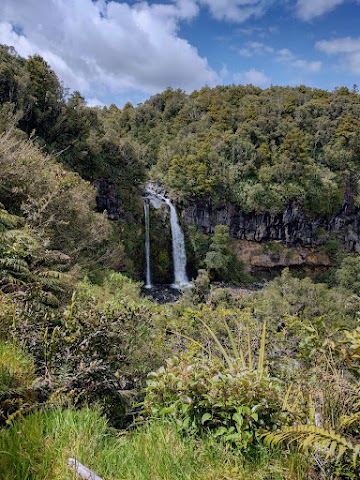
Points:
[(291, 227), (274, 256)]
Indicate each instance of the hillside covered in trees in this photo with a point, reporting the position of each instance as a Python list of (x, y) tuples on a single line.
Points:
[(223, 383)]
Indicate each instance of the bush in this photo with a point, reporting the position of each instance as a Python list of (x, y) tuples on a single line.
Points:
[(203, 394)]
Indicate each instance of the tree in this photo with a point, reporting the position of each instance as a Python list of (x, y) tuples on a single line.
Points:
[(46, 94), (220, 260), (348, 275)]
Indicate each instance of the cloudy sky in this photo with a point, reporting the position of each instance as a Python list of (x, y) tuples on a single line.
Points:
[(114, 51)]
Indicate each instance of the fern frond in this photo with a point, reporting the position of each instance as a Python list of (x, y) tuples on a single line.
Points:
[(7, 220), (347, 420), (54, 275), (8, 279), (313, 437), (16, 265)]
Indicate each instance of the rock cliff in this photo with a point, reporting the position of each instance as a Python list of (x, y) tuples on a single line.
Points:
[(292, 227), (266, 242)]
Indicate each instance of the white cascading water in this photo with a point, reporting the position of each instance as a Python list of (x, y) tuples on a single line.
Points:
[(147, 244), (178, 247), (178, 242)]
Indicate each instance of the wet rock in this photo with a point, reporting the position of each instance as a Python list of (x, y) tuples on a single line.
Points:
[(161, 294)]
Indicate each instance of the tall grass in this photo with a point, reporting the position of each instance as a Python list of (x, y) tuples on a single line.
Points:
[(37, 448), (16, 367)]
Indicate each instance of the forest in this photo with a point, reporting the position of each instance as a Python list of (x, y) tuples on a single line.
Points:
[(238, 377)]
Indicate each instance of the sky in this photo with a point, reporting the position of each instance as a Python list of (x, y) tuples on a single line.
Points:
[(114, 51)]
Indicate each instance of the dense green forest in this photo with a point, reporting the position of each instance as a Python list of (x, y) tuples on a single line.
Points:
[(224, 383), (255, 148)]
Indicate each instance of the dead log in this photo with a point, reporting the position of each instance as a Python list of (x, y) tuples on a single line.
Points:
[(82, 471)]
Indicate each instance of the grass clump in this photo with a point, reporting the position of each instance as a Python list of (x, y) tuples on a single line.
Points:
[(16, 379)]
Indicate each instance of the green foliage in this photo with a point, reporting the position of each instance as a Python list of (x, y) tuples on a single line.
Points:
[(26, 268), (259, 150), (201, 289), (199, 244), (348, 274), (39, 446), (161, 246), (336, 448), (96, 349), (225, 395), (204, 395), (16, 367), (58, 204), (220, 260)]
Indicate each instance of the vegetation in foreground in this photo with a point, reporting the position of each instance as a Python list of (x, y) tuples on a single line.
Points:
[(39, 447), (265, 385)]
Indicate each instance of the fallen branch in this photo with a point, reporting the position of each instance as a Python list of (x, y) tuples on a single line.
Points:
[(82, 471)]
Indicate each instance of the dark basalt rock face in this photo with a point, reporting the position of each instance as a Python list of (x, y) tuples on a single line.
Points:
[(292, 227)]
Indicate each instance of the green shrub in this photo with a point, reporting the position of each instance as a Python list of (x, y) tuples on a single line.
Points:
[(203, 394)]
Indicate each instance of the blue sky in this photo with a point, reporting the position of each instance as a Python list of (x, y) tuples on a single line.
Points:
[(118, 51)]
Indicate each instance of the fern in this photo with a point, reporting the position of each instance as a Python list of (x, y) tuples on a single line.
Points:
[(7, 220), (348, 420), (15, 265), (316, 438)]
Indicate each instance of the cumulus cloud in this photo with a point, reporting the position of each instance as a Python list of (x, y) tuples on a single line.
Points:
[(255, 77), (309, 9), (236, 10), (347, 48), (101, 45)]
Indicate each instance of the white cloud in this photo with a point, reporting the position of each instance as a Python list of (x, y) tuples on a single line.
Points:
[(97, 46), (307, 66), (287, 56), (255, 77), (260, 32), (94, 102), (283, 55), (255, 48), (236, 10), (309, 9), (339, 45), (347, 47)]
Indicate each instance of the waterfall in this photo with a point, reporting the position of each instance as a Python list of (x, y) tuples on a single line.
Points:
[(178, 247), (178, 242), (147, 244)]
